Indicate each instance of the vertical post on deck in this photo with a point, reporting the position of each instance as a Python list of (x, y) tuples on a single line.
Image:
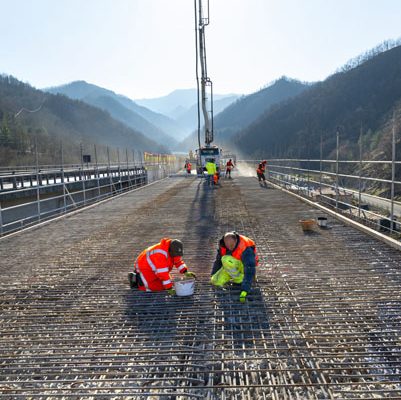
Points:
[(119, 170), (82, 175), (1, 222), (97, 173), (62, 177), (360, 174), (37, 177), (109, 172), (320, 167), (337, 157), (128, 169), (392, 176)]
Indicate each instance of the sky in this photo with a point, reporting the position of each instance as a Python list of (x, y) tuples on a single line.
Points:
[(146, 48)]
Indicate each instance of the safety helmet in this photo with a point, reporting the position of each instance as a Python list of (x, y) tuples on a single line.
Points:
[(176, 248), (264, 162)]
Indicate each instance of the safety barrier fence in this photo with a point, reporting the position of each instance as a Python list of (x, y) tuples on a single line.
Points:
[(343, 185), (48, 193)]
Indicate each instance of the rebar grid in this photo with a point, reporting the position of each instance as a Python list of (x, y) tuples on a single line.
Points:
[(322, 322)]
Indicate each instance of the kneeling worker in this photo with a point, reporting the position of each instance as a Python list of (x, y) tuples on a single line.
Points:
[(235, 262), (152, 267)]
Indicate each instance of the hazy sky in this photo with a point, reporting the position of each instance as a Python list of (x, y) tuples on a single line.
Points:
[(146, 48)]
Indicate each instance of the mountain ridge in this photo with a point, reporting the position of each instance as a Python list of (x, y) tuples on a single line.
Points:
[(59, 119), (142, 119), (363, 95)]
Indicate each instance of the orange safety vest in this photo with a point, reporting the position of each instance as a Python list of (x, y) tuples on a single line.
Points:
[(244, 242), (189, 166), (154, 265), (261, 169)]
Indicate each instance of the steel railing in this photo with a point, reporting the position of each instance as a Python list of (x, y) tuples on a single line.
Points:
[(41, 202), (334, 183)]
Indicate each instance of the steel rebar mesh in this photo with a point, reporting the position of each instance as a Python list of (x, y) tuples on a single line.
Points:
[(322, 322)]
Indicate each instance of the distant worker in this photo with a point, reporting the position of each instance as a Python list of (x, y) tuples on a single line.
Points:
[(188, 167), (211, 171), (260, 171), (235, 262), (152, 267), (229, 168), (216, 177)]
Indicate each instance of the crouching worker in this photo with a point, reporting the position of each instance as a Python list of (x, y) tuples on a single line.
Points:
[(152, 267), (235, 262)]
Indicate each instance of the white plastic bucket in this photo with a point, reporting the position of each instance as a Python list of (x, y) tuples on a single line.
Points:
[(185, 287), (322, 222)]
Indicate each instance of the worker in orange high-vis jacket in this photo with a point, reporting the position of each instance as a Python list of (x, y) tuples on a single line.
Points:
[(260, 171), (152, 267), (236, 262)]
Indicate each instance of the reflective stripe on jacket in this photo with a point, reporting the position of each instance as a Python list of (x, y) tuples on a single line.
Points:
[(156, 261)]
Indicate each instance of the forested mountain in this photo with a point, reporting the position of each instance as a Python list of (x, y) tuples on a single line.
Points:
[(131, 119), (182, 106), (28, 115), (247, 109), (189, 118), (153, 125), (365, 93)]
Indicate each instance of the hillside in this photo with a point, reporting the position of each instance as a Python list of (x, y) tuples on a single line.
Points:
[(153, 125), (247, 109), (365, 94), (56, 119), (182, 106), (189, 118), (131, 119)]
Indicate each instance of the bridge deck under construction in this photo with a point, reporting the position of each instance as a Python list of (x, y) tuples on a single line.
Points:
[(323, 321)]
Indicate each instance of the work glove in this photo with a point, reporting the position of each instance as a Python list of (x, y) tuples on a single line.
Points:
[(171, 291), (189, 274), (242, 296)]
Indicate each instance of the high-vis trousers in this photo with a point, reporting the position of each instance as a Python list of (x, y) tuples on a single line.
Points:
[(231, 271)]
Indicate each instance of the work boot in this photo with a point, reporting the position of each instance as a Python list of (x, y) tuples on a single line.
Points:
[(132, 280)]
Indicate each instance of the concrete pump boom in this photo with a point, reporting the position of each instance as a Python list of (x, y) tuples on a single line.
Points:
[(203, 21)]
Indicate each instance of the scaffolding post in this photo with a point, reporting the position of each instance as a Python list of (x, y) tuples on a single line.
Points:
[(82, 175), (37, 177), (128, 169), (108, 170), (1, 221), (337, 157), (320, 166), (119, 170), (62, 177), (360, 174), (97, 173), (392, 177)]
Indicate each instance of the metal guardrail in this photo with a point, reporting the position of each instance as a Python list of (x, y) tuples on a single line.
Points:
[(323, 181), (48, 198)]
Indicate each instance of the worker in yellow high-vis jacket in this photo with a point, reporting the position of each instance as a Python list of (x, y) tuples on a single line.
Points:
[(211, 169)]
